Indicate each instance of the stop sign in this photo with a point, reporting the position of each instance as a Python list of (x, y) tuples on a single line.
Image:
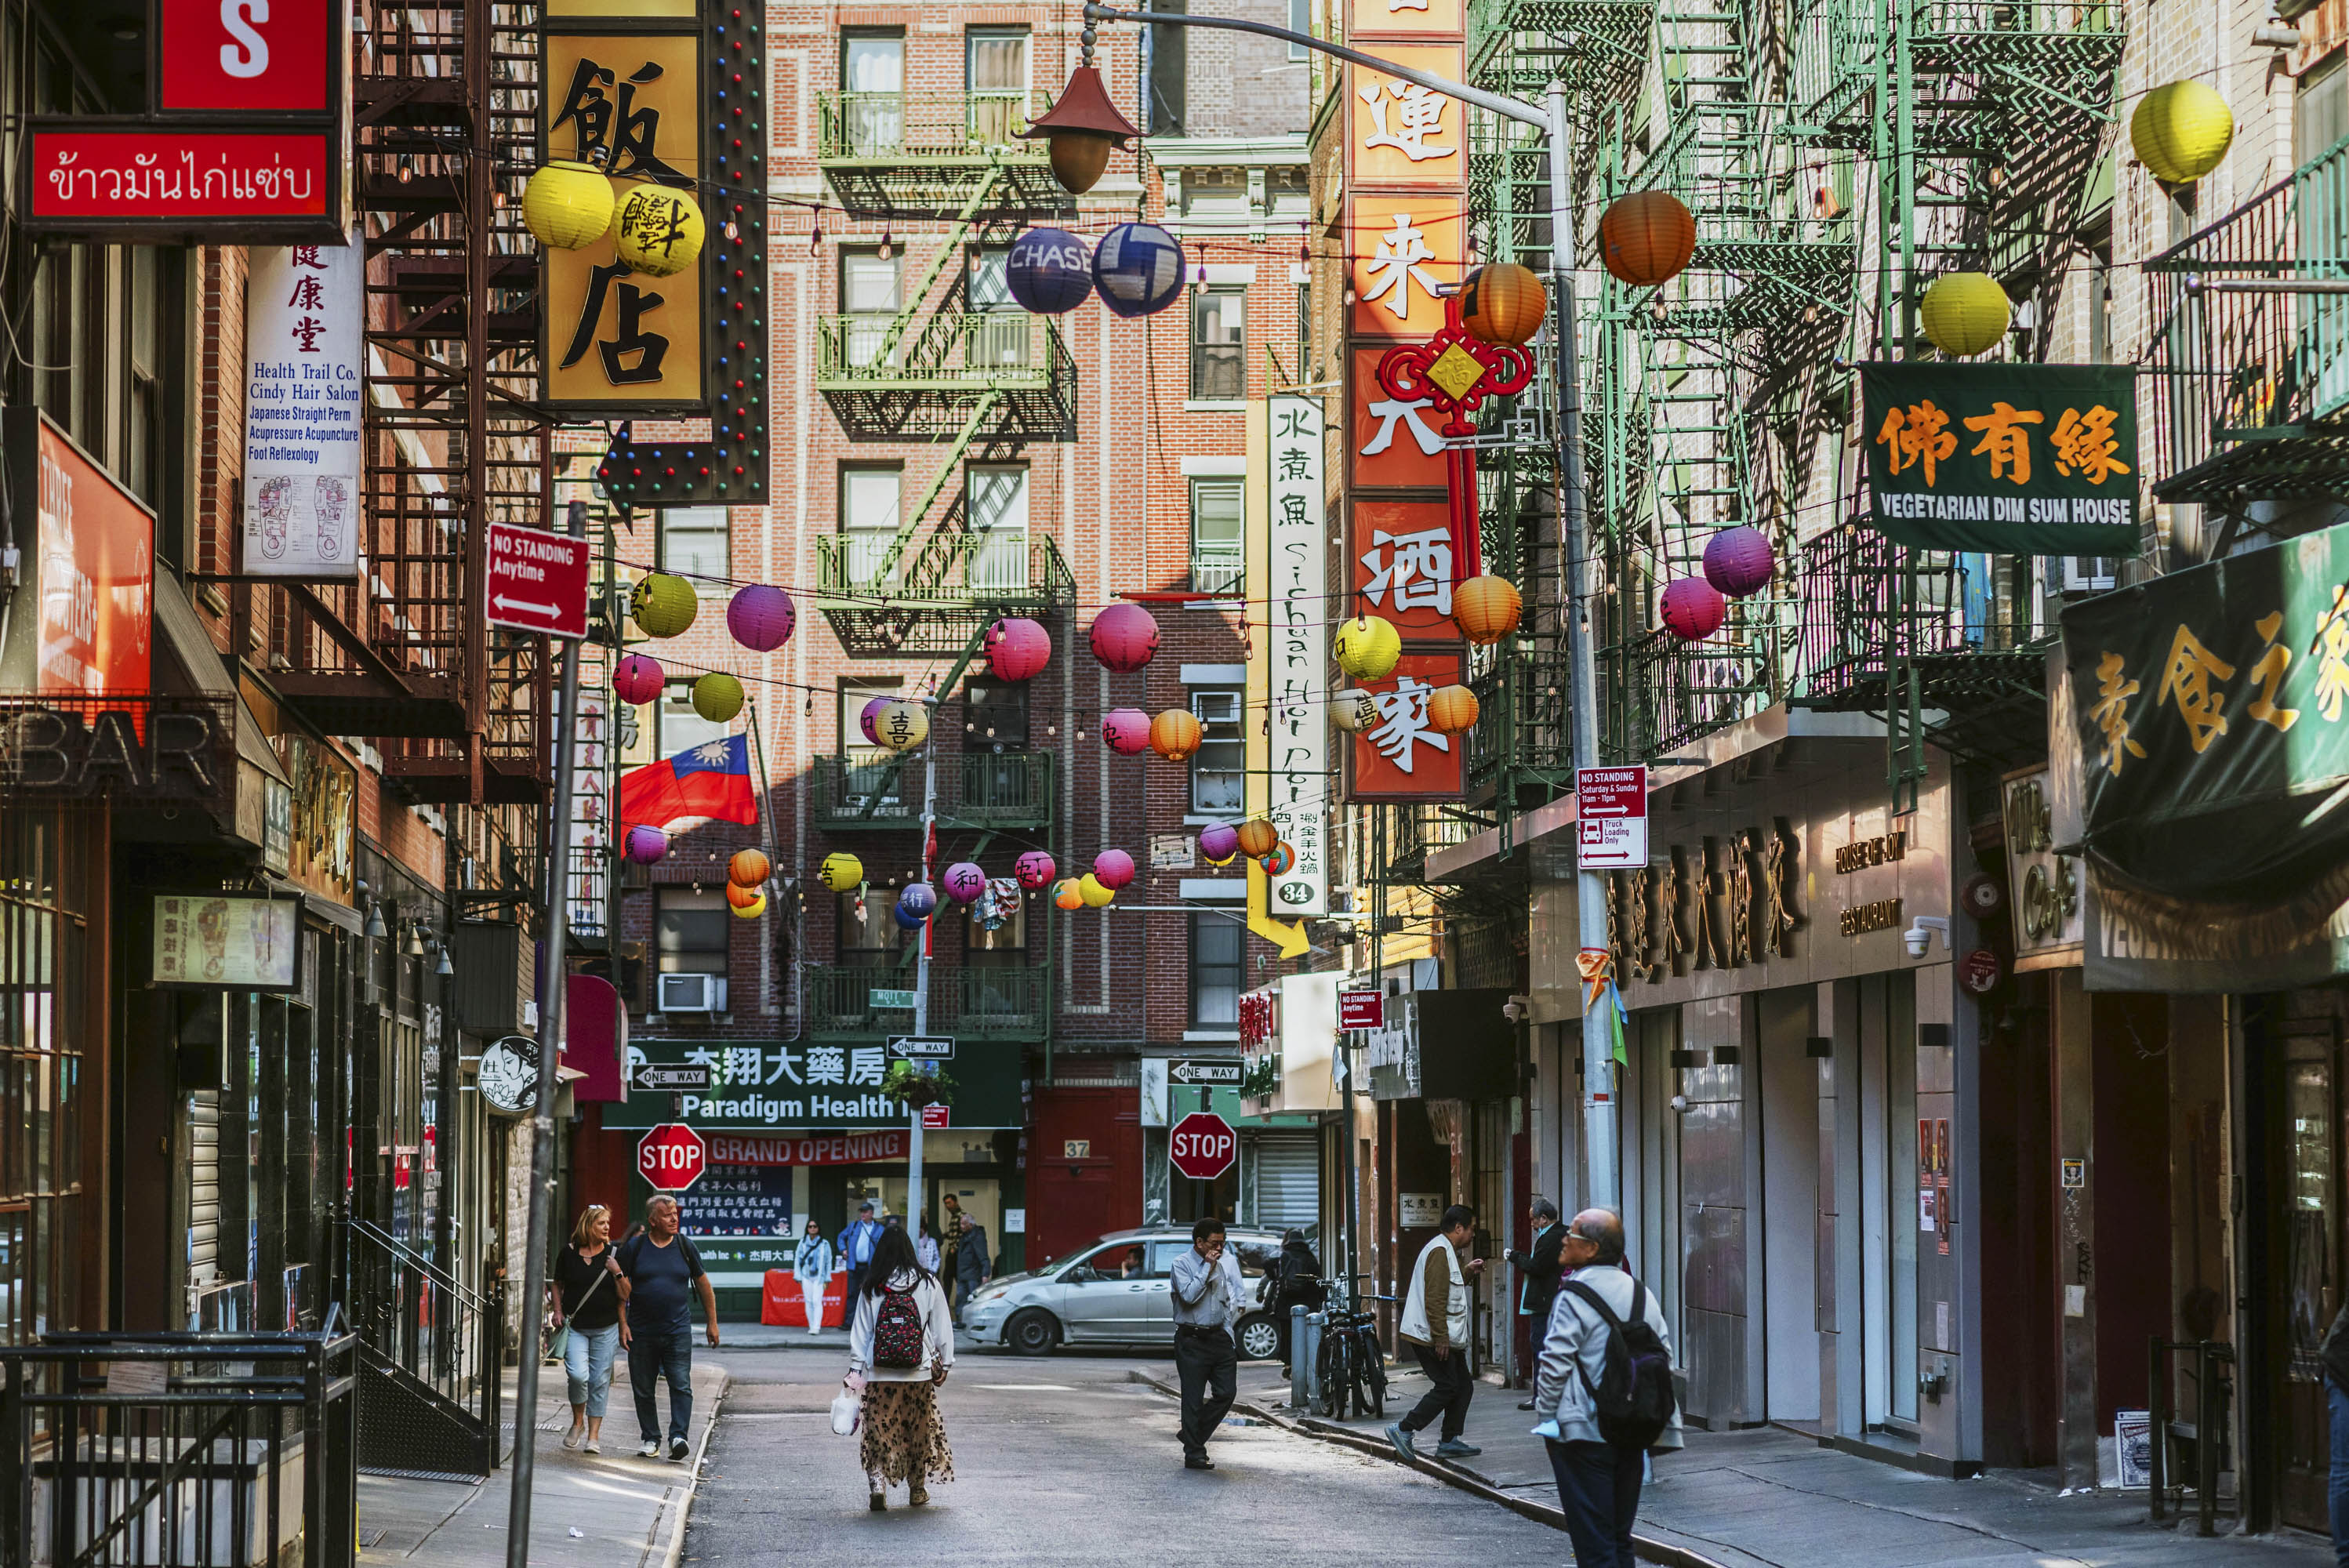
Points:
[(1202, 1146), (672, 1157)]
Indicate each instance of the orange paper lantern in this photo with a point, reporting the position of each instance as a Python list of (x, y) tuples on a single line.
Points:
[(1175, 734), (742, 897), (1451, 709), (1502, 302), (1257, 836), (1646, 238), (1486, 608), (749, 868)]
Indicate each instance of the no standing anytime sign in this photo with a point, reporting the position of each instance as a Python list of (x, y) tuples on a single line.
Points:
[(536, 581), (1611, 814)]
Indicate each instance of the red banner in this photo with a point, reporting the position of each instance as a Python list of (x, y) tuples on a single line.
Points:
[(177, 176), (805, 1148)]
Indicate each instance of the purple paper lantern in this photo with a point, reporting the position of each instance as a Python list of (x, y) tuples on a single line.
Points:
[(1126, 729), (1138, 268), (1114, 868), (919, 901), (965, 881), (1737, 560), (1018, 649), (1049, 271), (1035, 869), (638, 678), (1693, 609), (1124, 637), (1220, 841), (646, 845), (761, 617), (864, 720)]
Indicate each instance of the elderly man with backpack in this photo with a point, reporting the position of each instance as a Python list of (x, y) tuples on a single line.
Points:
[(1603, 1391)]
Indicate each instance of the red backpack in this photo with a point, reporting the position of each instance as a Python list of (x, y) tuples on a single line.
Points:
[(898, 1338)]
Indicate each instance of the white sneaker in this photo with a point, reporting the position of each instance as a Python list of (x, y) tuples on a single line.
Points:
[(574, 1437), (650, 1450), (593, 1446)]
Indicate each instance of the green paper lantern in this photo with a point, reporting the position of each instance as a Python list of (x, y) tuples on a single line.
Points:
[(1966, 313), (717, 698), (663, 605)]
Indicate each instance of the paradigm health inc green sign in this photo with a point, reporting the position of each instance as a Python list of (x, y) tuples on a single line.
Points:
[(2021, 460)]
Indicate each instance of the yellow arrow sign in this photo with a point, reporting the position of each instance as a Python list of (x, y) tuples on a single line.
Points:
[(1288, 938)]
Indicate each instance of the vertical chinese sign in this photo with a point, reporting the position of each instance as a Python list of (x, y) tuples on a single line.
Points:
[(1296, 657), (302, 448)]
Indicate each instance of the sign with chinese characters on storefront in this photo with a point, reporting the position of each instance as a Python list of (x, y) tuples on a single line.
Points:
[(2043, 887), (211, 939), (303, 308), (801, 1086), (1403, 566), (1298, 648), (1403, 756), (1397, 442), (1401, 250), (1402, 134), (91, 567), (615, 341), (2026, 459)]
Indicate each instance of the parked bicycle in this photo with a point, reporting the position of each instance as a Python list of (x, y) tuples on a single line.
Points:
[(1351, 1367)]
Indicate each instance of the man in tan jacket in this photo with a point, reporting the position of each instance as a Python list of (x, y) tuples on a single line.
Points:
[(1435, 1325)]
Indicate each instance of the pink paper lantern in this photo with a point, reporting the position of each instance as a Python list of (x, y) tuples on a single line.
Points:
[(864, 720), (1035, 869), (638, 678), (964, 882), (1737, 560), (1693, 609), (1114, 868), (1124, 637), (1127, 730), (1018, 649), (761, 617), (1220, 841), (646, 845)]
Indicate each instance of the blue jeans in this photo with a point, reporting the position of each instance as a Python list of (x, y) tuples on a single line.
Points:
[(2337, 1492), (655, 1353), (587, 1359), (1598, 1487)]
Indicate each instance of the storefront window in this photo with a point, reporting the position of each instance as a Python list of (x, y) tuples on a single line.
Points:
[(42, 1014)]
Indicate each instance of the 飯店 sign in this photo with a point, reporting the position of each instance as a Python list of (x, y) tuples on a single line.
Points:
[(303, 308), (1610, 817)]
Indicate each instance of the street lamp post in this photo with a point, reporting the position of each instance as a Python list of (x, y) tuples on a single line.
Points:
[(1578, 591)]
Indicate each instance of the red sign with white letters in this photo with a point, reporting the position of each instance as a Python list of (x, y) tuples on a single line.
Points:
[(536, 581), (672, 1156), (240, 55), (1202, 1146), (1361, 1010)]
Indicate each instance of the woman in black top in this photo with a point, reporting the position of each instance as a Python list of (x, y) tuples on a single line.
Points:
[(591, 1291)]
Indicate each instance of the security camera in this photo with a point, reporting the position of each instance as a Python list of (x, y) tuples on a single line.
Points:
[(1517, 1009), (1919, 938)]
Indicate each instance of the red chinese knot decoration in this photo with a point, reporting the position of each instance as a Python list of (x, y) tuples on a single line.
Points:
[(1256, 1019), (1454, 372)]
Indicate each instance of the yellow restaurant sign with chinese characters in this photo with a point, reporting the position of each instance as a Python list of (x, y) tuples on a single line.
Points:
[(2024, 459)]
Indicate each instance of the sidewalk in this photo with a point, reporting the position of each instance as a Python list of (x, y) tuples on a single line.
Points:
[(611, 1509)]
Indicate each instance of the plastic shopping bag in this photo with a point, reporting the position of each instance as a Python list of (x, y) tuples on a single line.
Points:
[(847, 1412)]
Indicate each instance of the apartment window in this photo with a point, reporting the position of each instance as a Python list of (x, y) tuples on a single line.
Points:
[(871, 937), (873, 781), (1219, 344), (997, 494), (868, 518), (1219, 768), (995, 75), (2320, 109), (1004, 947), (1218, 511), (996, 329), (1215, 971), (873, 92), (994, 716), (1304, 327), (690, 929), (693, 541), (1300, 20), (681, 729), (145, 410), (871, 293)]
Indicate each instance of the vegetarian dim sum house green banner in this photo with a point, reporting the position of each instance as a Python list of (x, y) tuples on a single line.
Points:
[(2024, 459), (804, 1086), (2212, 707)]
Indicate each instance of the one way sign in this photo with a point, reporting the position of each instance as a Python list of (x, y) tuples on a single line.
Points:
[(1206, 1072), (653, 1077), (536, 581)]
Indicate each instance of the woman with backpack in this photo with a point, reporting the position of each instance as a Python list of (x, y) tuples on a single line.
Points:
[(900, 1346)]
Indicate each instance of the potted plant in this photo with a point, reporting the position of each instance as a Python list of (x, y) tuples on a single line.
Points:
[(907, 1084)]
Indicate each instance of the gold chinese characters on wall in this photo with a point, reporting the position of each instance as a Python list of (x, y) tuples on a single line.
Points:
[(1720, 903)]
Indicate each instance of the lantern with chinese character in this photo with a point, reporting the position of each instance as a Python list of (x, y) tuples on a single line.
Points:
[(1175, 734), (1049, 271), (1737, 560), (657, 229), (1124, 637), (752, 910), (1220, 841), (840, 871), (1256, 838), (637, 678), (919, 900), (1965, 313), (1138, 268), (1646, 238), (1502, 301), (1094, 892), (566, 205), (900, 724), (1066, 894), (2180, 130), (742, 897), (1126, 730), (1034, 869), (867, 716), (663, 605), (1114, 868), (1693, 609), (1017, 648), (906, 919), (965, 881), (1451, 709), (1486, 609), (1281, 861), (1367, 648), (718, 698), (749, 868), (646, 845), (1080, 129), (1354, 711), (761, 617)]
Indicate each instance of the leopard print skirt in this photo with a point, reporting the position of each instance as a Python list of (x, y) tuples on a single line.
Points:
[(904, 1440)]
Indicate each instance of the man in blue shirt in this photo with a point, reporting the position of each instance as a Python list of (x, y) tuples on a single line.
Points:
[(663, 1271), (856, 1244), (1209, 1295)]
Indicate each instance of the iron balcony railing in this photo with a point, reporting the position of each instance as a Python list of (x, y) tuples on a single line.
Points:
[(438, 1344), (851, 1002), (1217, 569), (954, 351), (950, 571), (871, 787), (1868, 604), (901, 128)]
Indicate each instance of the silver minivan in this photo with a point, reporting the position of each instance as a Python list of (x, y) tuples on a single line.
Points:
[(1115, 1291)]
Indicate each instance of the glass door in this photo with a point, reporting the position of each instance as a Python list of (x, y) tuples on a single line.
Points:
[(2305, 1264), (999, 519), (995, 75), (873, 91)]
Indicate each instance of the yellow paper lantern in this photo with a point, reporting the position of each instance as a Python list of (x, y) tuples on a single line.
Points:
[(1175, 734), (1095, 893), (663, 605), (1451, 709), (1486, 608), (1504, 303), (1257, 837), (717, 698), (898, 724), (567, 205), (1355, 711), (743, 896), (657, 229), (1066, 894), (749, 868), (1646, 238), (1965, 313), (751, 911), (2181, 130), (1367, 648), (840, 871)]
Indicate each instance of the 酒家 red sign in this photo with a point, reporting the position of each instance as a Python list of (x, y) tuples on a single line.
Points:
[(270, 56)]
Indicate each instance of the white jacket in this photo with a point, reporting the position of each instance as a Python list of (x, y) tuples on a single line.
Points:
[(1415, 1307), (937, 1332), (1578, 1337), (812, 1259)]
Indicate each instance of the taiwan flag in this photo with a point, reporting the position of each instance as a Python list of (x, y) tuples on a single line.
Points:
[(710, 780)]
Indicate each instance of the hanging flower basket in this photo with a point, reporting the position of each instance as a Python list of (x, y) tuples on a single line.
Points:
[(907, 1086)]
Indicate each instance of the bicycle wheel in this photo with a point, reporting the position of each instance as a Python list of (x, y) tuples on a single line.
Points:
[(1329, 1370), (1370, 1386)]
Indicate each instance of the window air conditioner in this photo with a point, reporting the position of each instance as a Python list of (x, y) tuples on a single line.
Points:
[(693, 993)]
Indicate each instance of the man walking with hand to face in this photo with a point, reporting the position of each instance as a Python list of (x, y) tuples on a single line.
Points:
[(1209, 1293), (1435, 1325)]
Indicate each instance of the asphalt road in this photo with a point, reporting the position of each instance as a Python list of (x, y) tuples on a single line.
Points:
[(1065, 1460)]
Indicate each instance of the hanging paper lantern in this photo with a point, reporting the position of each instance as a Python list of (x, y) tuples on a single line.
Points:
[(1066, 894), (1281, 861), (742, 897), (840, 871), (1451, 709), (1965, 313), (869, 715), (1094, 892), (657, 229), (1124, 637), (1034, 869), (717, 698), (1256, 838), (1646, 238), (1114, 868), (2180, 130), (1353, 711), (752, 910), (1486, 608), (1138, 267), (646, 845), (906, 919), (663, 605), (964, 881), (749, 868), (1126, 729), (761, 617), (1220, 841), (1737, 560), (1018, 649), (1367, 648), (901, 724), (567, 205), (637, 678), (1693, 609), (919, 900), (1504, 303), (1049, 271), (1175, 734)]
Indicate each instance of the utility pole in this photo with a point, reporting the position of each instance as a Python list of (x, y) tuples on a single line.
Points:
[(914, 1208)]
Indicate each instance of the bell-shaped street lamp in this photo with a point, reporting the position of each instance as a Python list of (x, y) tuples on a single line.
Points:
[(1080, 129)]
